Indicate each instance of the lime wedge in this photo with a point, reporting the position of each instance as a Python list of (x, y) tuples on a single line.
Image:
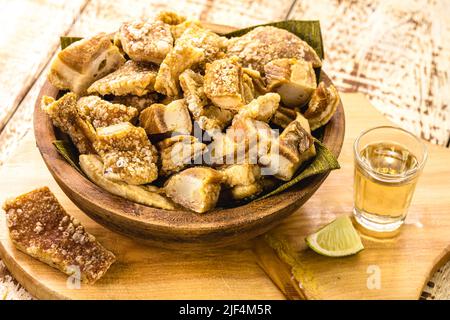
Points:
[(337, 239)]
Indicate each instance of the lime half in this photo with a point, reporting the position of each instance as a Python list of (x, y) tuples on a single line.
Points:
[(337, 239)]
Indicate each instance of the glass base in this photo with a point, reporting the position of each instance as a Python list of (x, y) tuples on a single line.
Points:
[(376, 226)]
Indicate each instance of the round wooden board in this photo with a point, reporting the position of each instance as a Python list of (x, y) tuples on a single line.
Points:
[(179, 229), (143, 272)]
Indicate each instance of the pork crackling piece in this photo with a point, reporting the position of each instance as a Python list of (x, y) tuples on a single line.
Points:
[(40, 227), (294, 80), (92, 166), (224, 84), (138, 102), (132, 78), (170, 17), (127, 154), (196, 188), (242, 180), (322, 106), (76, 67), (162, 119), (178, 152), (246, 140), (283, 116), (208, 116), (263, 44), (195, 47), (102, 113), (145, 41), (64, 115), (293, 147), (262, 108), (178, 24)]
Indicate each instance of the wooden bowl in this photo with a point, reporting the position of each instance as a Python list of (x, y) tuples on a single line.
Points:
[(178, 229)]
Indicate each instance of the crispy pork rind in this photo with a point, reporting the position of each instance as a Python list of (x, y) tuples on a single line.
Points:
[(242, 180), (196, 188), (145, 41), (283, 116), (224, 84), (262, 108), (246, 141), (92, 166), (127, 154), (293, 147), (322, 106), (64, 115), (102, 113), (170, 18), (76, 67), (294, 80), (195, 47), (176, 153), (138, 102), (40, 227), (263, 44), (209, 117), (164, 119), (132, 78)]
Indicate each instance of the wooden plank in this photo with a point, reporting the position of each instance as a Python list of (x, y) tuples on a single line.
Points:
[(405, 262), (146, 272), (30, 35), (322, 9), (395, 52), (104, 15)]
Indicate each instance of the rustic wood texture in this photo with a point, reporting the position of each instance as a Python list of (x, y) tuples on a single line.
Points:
[(26, 27), (418, 99), (395, 52), (148, 272), (179, 228), (405, 261)]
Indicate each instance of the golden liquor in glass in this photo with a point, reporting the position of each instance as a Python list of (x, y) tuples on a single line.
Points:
[(388, 162)]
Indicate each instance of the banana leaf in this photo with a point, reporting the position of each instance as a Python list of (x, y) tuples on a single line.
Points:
[(68, 151)]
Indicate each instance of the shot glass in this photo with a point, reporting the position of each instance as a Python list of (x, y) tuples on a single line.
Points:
[(388, 163)]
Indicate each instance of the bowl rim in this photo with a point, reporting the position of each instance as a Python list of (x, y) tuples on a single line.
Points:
[(178, 221)]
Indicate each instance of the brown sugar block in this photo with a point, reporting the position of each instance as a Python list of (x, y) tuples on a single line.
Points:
[(39, 226)]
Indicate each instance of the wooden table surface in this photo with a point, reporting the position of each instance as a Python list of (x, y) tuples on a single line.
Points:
[(396, 53)]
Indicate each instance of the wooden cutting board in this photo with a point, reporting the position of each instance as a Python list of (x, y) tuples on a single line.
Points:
[(397, 267)]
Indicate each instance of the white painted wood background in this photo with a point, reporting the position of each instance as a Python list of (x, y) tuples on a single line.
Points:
[(395, 52)]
